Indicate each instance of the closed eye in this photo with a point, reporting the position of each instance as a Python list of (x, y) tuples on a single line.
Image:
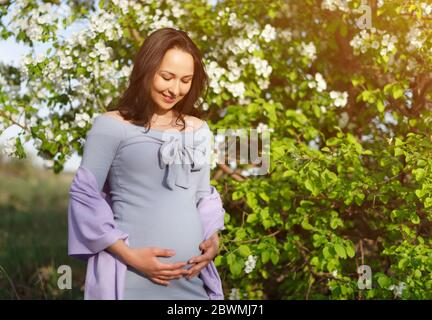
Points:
[(170, 79)]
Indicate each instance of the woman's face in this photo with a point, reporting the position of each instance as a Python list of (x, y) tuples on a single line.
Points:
[(173, 79)]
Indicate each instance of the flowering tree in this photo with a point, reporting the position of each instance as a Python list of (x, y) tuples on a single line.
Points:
[(344, 86)]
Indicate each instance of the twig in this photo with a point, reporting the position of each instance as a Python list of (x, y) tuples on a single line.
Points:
[(231, 172)]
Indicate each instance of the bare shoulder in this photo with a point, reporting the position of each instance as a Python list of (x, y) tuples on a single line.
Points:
[(196, 122)]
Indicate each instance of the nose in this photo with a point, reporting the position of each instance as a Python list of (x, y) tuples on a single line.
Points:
[(175, 89)]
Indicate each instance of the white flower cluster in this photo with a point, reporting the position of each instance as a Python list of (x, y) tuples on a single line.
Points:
[(251, 29), (269, 33), (250, 264), (262, 67), (125, 4), (263, 127), (426, 8), (215, 72), (415, 39), (161, 20), (239, 45), (101, 51), (82, 119), (176, 10), (8, 147), (318, 82), (234, 294), (235, 70), (285, 34), (233, 21), (33, 23), (397, 289), (340, 98), (366, 39), (308, 50), (334, 5), (237, 89), (106, 23)]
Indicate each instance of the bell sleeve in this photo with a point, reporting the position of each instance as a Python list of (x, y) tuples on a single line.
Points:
[(211, 213)]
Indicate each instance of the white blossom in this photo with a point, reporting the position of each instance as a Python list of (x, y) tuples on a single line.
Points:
[(234, 294), (321, 83), (334, 5), (263, 83), (308, 50), (9, 147), (263, 127), (250, 263), (426, 8), (286, 34), (252, 30), (340, 98), (233, 21), (237, 89), (215, 72), (66, 63), (397, 289), (262, 67), (82, 119), (414, 39), (269, 33)]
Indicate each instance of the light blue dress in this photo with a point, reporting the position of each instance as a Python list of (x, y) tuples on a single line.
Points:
[(156, 180)]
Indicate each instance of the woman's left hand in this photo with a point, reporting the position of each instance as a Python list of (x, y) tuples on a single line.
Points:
[(210, 249)]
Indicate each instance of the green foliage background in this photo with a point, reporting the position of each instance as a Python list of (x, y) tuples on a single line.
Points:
[(346, 187)]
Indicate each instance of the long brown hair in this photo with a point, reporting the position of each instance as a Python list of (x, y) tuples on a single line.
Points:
[(136, 103)]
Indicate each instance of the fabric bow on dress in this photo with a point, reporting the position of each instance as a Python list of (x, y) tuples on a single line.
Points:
[(181, 155)]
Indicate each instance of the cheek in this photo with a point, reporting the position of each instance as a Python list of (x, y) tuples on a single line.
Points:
[(158, 85), (185, 88)]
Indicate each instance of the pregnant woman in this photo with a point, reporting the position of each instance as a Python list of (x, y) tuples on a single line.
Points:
[(153, 152)]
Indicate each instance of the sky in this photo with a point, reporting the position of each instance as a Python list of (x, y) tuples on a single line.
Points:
[(11, 53)]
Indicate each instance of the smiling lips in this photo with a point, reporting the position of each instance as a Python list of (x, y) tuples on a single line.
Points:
[(167, 98)]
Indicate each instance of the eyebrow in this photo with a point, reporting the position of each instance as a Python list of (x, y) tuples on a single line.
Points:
[(190, 75)]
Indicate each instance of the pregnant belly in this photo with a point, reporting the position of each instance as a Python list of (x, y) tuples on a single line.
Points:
[(162, 227)]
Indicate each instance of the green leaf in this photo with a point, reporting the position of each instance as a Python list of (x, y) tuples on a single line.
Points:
[(274, 257), (380, 105), (306, 225), (244, 250), (397, 92), (332, 141), (265, 256), (415, 218), (218, 260), (237, 267), (334, 222), (340, 250), (326, 252), (252, 218), (264, 196), (350, 251), (384, 281)]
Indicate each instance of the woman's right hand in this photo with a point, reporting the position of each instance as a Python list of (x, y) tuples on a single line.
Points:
[(145, 260)]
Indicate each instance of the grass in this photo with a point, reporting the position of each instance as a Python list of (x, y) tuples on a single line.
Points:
[(33, 233)]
